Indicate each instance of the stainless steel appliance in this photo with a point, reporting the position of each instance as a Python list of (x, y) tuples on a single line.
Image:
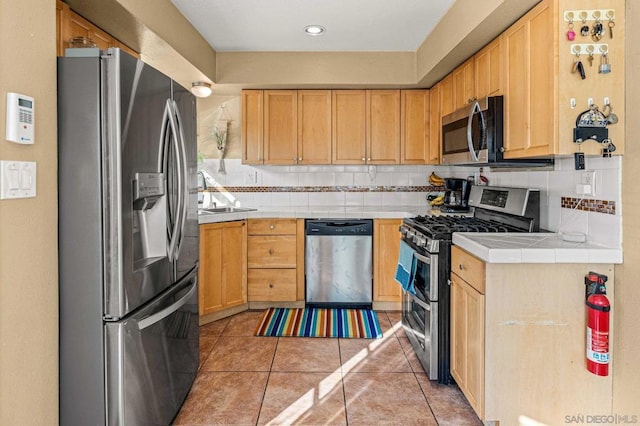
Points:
[(456, 195), (338, 263), (474, 136), (128, 241), (425, 313)]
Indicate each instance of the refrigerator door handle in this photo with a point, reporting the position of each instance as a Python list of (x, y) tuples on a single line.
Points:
[(159, 316), (184, 200), (173, 138)]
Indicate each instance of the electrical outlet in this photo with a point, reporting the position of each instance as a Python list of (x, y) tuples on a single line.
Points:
[(252, 176), (587, 184)]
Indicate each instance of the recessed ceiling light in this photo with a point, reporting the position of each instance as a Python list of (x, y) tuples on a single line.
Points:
[(314, 30)]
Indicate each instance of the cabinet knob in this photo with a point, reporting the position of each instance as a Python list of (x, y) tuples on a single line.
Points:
[(270, 285), (271, 252), (369, 159), (299, 158), (272, 227), (461, 266), (363, 159)]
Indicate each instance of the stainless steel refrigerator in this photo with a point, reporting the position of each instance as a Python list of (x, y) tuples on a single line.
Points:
[(128, 241)]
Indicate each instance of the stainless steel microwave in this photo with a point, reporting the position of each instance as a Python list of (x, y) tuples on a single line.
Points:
[(474, 136)]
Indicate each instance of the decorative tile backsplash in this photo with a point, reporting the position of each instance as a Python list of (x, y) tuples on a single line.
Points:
[(599, 217), (587, 205)]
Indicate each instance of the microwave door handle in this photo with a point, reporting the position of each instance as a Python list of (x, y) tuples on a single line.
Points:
[(474, 107)]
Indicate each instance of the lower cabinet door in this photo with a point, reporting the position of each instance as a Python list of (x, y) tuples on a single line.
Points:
[(271, 285)]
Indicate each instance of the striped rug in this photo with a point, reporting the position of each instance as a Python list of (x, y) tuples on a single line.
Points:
[(318, 322)]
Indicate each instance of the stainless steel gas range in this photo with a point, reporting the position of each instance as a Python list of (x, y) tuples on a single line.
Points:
[(425, 308)]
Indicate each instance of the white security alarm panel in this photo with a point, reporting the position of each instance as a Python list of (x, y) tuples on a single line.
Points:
[(20, 118)]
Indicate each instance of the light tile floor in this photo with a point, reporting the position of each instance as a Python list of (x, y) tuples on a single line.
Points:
[(247, 380)]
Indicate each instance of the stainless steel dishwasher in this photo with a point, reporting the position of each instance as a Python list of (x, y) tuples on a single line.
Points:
[(338, 263)]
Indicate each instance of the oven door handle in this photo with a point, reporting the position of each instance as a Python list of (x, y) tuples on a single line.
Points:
[(422, 258), (426, 306)]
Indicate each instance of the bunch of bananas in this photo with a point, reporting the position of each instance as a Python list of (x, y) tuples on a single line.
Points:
[(438, 201), (436, 180)]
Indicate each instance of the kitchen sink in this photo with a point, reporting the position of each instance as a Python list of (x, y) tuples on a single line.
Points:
[(215, 210)]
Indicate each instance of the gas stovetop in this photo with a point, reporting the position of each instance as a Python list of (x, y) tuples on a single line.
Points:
[(442, 227)]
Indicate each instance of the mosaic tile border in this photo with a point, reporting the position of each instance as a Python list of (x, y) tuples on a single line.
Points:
[(588, 205), (327, 188)]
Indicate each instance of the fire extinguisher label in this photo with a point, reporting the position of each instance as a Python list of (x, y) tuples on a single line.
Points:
[(597, 346)]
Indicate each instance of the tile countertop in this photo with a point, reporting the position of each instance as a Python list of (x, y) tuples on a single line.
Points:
[(533, 248), (337, 212)]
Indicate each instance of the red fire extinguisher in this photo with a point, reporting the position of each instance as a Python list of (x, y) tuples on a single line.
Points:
[(598, 308)]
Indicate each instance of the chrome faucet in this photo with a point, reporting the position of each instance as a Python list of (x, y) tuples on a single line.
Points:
[(200, 174)]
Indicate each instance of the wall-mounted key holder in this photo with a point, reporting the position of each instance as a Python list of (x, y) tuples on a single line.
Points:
[(591, 125), (589, 15), (589, 48)]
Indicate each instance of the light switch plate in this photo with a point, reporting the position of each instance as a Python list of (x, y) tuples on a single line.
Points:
[(17, 179)]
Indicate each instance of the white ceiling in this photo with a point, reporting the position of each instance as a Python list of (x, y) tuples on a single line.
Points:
[(277, 25)]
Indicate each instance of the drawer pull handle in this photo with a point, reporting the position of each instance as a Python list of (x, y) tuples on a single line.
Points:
[(461, 267), (271, 252), (270, 285), (272, 227)]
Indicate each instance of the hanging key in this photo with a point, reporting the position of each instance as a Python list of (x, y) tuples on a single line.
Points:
[(584, 29), (590, 50), (598, 28), (611, 24)]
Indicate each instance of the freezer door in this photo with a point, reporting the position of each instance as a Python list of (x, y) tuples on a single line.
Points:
[(136, 262), (152, 358), (188, 244)]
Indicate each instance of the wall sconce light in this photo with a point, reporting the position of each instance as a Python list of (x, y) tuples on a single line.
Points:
[(201, 89)]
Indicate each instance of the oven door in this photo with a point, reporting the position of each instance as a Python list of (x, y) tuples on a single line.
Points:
[(420, 321), (425, 279)]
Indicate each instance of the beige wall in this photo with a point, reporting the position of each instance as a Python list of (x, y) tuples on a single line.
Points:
[(28, 228), (626, 368)]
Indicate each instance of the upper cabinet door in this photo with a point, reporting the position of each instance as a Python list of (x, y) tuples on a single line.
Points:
[(447, 105), (349, 124), (384, 123), (252, 126), (314, 127), (435, 126), (464, 84), (414, 116), (488, 72), (280, 127), (530, 125)]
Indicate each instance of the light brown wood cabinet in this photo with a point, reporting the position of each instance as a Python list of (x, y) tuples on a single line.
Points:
[(517, 331), (69, 25), (286, 127), (280, 127), (349, 126), (435, 126), (386, 245), (464, 84), (252, 126), (489, 70), (223, 265), (366, 127), (447, 101), (272, 260), (314, 127), (467, 326), (415, 143), (530, 103)]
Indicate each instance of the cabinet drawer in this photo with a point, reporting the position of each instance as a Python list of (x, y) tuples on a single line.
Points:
[(271, 251), (272, 227), (271, 285), (468, 267)]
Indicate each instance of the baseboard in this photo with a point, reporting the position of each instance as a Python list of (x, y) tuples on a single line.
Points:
[(387, 306), (266, 305), (215, 316)]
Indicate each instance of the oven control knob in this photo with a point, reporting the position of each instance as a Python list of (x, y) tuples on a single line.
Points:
[(420, 241)]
